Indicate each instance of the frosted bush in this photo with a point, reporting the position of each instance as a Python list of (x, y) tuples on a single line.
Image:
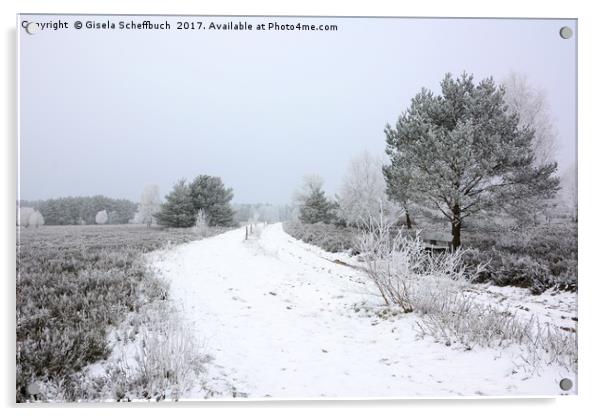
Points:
[(24, 214), (29, 217), (102, 217), (36, 219), (404, 272), (436, 286), (201, 222)]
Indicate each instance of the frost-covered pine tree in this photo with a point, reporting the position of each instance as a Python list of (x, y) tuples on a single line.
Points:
[(178, 209), (150, 205), (210, 195), (466, 153), (363, 195), (102, 217), (313, 205)]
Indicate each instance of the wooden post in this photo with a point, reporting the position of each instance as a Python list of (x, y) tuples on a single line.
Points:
[(246, 232)]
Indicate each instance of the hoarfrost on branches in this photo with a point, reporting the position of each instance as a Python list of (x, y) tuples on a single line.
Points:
[(102, 217)]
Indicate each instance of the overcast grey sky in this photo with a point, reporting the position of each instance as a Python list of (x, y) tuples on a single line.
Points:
[(110, 111)]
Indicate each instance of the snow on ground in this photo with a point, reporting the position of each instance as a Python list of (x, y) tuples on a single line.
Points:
[(281, 320)]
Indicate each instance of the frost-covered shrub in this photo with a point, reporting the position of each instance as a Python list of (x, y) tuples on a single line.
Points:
[(30, 217), (436, 287), (167, 362), (459, 319), (538, 258), (405, 273), (36, 220), (102, 217), (201, 222), (24, 214)]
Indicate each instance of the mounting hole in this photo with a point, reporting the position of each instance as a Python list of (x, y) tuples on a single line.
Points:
[(566, 384), (566, 32), (32, 28)]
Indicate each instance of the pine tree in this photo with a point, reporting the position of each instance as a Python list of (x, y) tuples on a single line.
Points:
[(317, 208), (465, 152), (178, 210), (210, 195)]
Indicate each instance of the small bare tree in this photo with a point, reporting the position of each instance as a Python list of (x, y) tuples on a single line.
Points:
[(201, 222), (150, 204)]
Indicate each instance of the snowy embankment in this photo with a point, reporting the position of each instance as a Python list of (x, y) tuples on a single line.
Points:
[(281, 319)]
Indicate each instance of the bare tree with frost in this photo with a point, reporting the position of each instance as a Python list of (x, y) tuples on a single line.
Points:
[(30, 217), (150, 205), (363, 194), (531, 105)]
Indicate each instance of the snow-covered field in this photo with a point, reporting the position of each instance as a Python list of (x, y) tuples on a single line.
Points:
[(282, 319)]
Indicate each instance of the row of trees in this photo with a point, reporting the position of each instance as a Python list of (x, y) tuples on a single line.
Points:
[(205, 199), (269, 213), (469, 150), (82, 210)]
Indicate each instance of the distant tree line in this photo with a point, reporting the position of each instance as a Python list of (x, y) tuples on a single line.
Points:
[(205, 200), (83, 210), (269, 213)]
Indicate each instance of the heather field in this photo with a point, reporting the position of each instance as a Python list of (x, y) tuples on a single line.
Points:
[(74, 285)]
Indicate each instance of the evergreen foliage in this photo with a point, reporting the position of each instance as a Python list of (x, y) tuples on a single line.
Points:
[(317, 208), (82, 209), (209, 194), (462, 151), (178, 210)]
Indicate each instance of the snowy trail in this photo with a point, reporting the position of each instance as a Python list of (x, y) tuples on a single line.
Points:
[(281, 320)]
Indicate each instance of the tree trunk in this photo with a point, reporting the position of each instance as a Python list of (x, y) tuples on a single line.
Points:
[(408, 220), (456, 226)]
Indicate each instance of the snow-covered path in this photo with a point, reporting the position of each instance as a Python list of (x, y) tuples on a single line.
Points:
[(282, 320)]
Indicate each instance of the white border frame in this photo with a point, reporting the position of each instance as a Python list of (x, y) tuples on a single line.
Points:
[(589, 28)]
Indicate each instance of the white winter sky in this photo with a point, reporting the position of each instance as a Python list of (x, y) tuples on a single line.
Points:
[(110, 111)]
